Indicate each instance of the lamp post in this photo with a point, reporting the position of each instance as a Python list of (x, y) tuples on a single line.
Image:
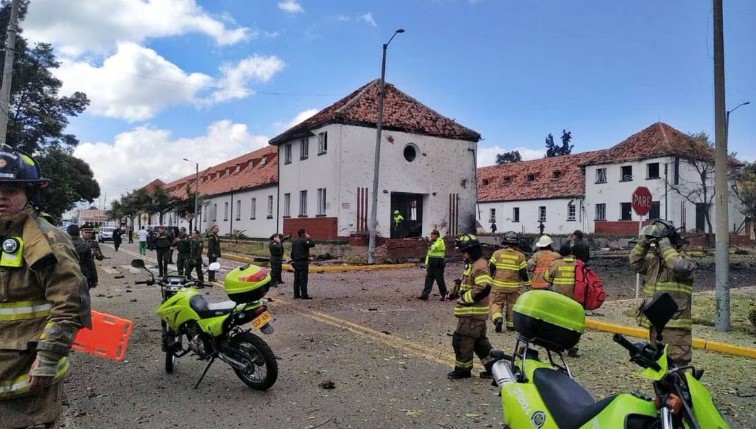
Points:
[(376, 166), (727, 119), (196, 192)]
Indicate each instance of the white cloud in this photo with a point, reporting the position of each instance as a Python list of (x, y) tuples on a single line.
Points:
[(78, 27), (487, 154), (237, 77), (290, 6), (301, 116), (368, 18), (144, 154)]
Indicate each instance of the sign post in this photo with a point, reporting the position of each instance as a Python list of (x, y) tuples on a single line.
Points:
[(641, 206)]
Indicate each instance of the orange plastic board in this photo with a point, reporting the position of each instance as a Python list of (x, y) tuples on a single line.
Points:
[(108, 337)]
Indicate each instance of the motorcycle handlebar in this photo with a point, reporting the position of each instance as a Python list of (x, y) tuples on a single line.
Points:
[(632, 348), (143, 282)]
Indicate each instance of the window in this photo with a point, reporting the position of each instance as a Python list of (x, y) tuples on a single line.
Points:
[(252, 208), (601, 175), (410, 152), (542, 214), (215, 212), (304, 149), (600, 211), (626, 211), (626, 173), (491, 215), (270, 206), (321, 202), (322, 143), (225, 211), (204, 215), (287, 154), (655, 212), (287, 205), (302, 203), (652, 170), (238, 209), (515, 214), (485, 182), (531, 177), (557, 174), (506, 181), (571, 212)]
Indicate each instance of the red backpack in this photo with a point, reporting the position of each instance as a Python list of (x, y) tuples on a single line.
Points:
[(589, 291)]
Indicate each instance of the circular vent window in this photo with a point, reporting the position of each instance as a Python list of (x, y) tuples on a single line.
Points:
[(410, 152)]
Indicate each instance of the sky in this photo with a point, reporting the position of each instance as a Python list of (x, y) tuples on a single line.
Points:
[(209, 80)]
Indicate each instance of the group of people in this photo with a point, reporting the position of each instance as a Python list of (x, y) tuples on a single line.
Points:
[(300, 261)]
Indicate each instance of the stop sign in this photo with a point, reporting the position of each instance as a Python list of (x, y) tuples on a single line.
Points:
[(642, 201)]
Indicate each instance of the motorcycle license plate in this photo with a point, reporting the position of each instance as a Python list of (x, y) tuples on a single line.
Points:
[(262, 320)]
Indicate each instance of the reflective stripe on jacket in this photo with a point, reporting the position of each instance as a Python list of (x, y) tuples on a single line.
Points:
[(538, 264), (561, 275), (20, 385), (436, 250), (508, 262), (476, 282)]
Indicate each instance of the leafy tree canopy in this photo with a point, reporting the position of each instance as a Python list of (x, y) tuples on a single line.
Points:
[(553, 150), (508, 157), (71, 180)]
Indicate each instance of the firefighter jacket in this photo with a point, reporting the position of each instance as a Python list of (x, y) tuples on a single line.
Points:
[(666, 270), (474, 290), (437, 249), (510, 267), (539, 264), (561, 275), (44, 299)]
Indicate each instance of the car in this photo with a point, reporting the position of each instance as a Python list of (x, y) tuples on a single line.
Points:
[(106, 234)]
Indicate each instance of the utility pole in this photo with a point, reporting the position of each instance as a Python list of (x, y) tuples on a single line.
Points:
[(10, 49), (722, 233)]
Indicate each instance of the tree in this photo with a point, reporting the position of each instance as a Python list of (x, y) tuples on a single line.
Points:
[(744, 187), (553, 150), (38, 114), (508, 157), (162, 202), (71, 178)]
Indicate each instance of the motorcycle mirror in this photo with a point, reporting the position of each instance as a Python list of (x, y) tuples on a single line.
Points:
[(660, 311), (137, 263), (215, 266)]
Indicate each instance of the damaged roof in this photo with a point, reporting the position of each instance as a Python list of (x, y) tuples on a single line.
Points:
[(400, 113)]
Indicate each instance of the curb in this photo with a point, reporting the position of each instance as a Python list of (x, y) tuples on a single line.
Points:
[(326, 268), (698, 343)]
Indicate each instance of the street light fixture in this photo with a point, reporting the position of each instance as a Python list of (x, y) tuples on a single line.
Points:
[(196, 192), (376, 166), (727, 119)]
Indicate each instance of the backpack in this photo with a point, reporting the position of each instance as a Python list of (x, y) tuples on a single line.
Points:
[(589, 290)]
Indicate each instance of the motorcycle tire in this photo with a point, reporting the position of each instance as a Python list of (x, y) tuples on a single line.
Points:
[(170, 358), (263, 370)]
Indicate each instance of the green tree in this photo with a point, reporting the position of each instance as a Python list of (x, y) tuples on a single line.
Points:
[(508, 157), (744, 186), (161, 202), (71, 178), (553, 150)]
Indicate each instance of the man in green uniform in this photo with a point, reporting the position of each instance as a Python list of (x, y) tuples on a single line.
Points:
[(44, 299), (86, 256), (435, 261)]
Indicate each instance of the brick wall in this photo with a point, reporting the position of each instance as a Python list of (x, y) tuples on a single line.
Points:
[(618, 227), (320, 228)]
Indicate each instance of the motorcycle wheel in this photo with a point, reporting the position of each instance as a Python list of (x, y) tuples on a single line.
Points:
[(170, 358), (262, 369)]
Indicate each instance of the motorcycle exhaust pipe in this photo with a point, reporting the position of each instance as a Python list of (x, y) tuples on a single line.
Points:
[(502, 373), (232, 362)]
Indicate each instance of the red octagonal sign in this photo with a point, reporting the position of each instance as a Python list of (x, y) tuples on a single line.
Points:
[(642, 201)]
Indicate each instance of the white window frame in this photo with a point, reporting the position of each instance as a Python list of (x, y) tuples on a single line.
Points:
[(304, 149), (541, 213), (515, 214), (600, 211), (252, 208), (601, 175), (287, 153), (491, 215), (321, 201), (322, 142), (303, 203), (571, 212), (287, 205), (215, 212), (238, 209), (626, 177), (225, 211), (270, 206)]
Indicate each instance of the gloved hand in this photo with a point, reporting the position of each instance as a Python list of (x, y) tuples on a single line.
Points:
[(43, 369), (457, 282), (453, 295)]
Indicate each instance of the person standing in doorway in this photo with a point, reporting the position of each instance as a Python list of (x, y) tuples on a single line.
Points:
[(276, 257), (398, 224), (435, 261), (117, 237), (213, 250), (300, 257), (143, 237)]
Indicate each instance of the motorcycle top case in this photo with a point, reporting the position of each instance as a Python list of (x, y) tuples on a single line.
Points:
[(247, 283), (549, 319)]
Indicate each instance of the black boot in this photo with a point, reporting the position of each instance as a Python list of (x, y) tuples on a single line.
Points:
[(458, 373), (498, 323), (487, 374)]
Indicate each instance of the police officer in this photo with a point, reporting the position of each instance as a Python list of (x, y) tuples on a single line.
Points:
[(195, 256), (435, 261), (213, 250), (509, 270), (86, 256), (183, 247), (471, 293), (276, 257), (398, 224), (44, 299), (162, 247), (667, 269)]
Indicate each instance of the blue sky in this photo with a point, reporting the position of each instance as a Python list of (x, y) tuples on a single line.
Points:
[(211, 80)]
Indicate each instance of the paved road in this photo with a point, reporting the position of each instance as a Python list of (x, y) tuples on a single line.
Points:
[(385, 353)]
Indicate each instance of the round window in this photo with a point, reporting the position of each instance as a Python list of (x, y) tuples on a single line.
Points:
[(410, 152)]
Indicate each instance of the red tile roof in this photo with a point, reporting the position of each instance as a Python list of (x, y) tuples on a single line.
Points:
[(400, 113), (241, 173), (545, 178), (157, 183)]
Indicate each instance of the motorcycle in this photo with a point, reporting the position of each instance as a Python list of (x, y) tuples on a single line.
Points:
[(542, 394), (216, 330)]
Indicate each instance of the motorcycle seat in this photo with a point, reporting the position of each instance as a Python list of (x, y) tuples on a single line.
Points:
[(569, 403), (206, 309)]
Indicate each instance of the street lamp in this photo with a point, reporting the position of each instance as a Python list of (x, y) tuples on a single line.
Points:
[(727, 119), (376, 166), (196, 192)]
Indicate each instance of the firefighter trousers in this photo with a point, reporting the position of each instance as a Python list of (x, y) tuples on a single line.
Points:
[(502, 304)]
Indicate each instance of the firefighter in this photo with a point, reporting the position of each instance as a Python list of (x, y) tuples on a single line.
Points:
[(667, 269), (510, 274), (435, 261), (561, 277), (471, 293), (44, 299), (540, 261)]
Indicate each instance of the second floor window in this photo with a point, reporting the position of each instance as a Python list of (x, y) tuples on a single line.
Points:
[(287, 154), (304, 151), (626, 173), (322, 143), (652, 170), (601, 175)]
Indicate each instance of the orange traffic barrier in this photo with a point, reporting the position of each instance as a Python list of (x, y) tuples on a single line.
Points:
[(108, 337)]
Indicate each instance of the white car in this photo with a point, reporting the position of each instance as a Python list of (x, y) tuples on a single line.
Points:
[(106, 234)]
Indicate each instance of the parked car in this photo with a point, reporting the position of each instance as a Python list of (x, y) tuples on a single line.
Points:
[(106, 234)]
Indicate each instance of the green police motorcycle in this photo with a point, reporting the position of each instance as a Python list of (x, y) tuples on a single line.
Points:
[(541, 393), (217, 330)]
